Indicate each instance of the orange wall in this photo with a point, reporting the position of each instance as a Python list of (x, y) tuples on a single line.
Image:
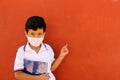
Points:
[(90, 27)]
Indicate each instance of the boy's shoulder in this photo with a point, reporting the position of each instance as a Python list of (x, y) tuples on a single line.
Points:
[(21, 48), (49, 48), (47, 45)]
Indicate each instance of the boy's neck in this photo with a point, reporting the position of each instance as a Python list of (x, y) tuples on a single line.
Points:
[(35, 48)]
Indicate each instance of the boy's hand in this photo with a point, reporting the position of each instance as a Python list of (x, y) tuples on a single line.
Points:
[(44, 77), (64, 51)]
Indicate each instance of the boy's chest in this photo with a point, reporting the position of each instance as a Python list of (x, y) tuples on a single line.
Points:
[(42, 56)]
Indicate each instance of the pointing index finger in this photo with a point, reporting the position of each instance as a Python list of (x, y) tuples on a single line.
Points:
[(66, 45)]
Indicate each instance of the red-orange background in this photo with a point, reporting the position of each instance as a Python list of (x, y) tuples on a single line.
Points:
[(90, 27)]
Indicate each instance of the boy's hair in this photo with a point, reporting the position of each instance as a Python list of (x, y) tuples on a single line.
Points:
[(35, 22)]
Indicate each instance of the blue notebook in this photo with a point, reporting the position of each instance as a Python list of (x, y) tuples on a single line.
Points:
[(35, 67)]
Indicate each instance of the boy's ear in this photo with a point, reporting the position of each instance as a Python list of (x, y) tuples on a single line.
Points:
[(44, 33)]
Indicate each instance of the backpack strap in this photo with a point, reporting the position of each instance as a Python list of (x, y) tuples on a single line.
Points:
[(45, 46), (24, 47)]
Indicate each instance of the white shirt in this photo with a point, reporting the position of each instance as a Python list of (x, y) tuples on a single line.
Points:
[(25, 55)]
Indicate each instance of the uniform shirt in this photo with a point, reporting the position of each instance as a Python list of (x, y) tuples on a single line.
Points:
[(34, 63)]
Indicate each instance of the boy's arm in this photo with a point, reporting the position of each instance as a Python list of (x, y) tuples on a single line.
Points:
[(19, 75), (63, 53)]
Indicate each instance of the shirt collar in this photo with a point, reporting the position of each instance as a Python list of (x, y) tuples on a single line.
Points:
[(28, 48)]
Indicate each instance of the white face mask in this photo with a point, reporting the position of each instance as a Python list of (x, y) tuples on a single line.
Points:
[(35, 41)]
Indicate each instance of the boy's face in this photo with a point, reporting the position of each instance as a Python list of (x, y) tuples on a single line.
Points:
[(38, 33)]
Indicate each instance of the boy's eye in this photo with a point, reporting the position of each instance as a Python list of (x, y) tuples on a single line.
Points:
[(32, 34), (39, 33)]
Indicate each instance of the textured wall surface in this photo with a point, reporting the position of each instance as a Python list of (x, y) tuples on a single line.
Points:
[(90, 27)]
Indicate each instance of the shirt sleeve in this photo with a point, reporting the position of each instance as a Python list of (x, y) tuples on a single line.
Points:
[(53, 58), (19, 60), (51, 53)]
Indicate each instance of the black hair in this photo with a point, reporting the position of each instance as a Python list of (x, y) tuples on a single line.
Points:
[(35, 22)]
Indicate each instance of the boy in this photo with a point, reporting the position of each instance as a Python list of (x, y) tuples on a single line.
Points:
[(35, 60)]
